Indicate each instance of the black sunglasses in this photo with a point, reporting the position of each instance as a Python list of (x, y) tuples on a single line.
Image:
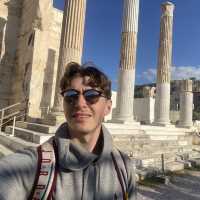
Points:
[(91, 96)]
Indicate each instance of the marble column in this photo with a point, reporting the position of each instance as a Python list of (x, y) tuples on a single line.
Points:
[(146, 92), (126, 81), (186, 104), (162, 100), (71, 44)]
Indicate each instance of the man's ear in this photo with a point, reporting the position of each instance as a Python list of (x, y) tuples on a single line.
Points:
[(108, 107)]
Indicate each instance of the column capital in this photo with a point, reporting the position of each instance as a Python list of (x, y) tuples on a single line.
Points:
[(167, 9), (186, 86), (148, 91)]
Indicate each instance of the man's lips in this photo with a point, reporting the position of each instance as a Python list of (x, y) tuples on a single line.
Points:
[(80, 115)]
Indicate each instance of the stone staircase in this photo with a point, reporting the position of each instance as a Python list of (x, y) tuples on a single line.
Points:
[(148, 146), (155, 148), (25, 135)]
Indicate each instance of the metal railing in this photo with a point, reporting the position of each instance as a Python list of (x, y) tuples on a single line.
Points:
[(13, 115), (14, 118)]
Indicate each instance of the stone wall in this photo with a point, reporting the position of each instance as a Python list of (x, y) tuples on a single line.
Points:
[(45, 60), (29, 45), (24, 53), (144, 109), (50, 71), (10, 12)]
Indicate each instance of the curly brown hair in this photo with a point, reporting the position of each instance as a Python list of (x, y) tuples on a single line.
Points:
[(97, 79)]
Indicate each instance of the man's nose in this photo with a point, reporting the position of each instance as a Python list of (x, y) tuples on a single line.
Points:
[(81, 102)]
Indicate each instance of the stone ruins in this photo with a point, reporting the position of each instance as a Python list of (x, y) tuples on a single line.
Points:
[(126, 81), (162, 100), (37, 40)]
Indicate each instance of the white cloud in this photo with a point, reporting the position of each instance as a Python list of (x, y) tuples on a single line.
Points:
[(148, 75), (177, 73), (185, 72)]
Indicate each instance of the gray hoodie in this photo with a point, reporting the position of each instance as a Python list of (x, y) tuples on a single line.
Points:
[(81, 174)]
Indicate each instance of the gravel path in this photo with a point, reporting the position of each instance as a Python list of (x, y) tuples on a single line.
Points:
[(183, 187)]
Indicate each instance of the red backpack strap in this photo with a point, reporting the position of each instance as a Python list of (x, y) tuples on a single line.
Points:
[(46, 173)]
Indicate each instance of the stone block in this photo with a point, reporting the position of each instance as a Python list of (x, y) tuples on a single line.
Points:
[(37, 127), (28, 135)]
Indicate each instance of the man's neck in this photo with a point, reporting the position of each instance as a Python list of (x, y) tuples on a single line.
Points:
[(88, 141)]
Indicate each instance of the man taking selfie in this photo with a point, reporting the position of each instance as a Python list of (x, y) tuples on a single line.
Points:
[(80, 161)]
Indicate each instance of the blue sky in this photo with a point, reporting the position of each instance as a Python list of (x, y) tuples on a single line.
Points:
[(103, 30)]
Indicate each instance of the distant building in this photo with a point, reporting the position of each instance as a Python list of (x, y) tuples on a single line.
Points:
[(175, 94)]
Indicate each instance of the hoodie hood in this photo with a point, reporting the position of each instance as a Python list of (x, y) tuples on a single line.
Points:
[(73, 156)]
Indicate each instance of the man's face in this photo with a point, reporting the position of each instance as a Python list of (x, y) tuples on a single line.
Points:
[(82, 116)]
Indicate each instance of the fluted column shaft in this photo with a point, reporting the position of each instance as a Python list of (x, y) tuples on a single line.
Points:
[(126, 81), (162, 101), (186, 104), (71, 44)]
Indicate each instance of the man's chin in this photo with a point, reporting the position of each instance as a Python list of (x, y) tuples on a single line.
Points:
[(82, 128)]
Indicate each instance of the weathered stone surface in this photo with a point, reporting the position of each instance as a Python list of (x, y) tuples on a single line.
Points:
[(165, 45), (9, 27), (71, 44), (186, 104), (125, 94), (137, 142), (162, 102), (144, 109), (29, 43)]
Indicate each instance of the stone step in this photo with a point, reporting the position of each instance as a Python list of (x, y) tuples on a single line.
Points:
[(28, 135), (14, 143), (194, 154), (196, 147), (162, 145), (167, 133), (131, 137), (157, 158), (162, 129), (166, 149), (117, 129), (174, 166), (146, 141), (149, 149), (37, 127), (52, 119)]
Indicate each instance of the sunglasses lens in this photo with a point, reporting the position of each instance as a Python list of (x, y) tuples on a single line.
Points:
[(70, 96), (92, 96)]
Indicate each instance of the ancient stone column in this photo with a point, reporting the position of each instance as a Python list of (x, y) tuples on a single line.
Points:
[(71, 44), (126, 81), (162, 101), (186, 104), (146, 92)]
